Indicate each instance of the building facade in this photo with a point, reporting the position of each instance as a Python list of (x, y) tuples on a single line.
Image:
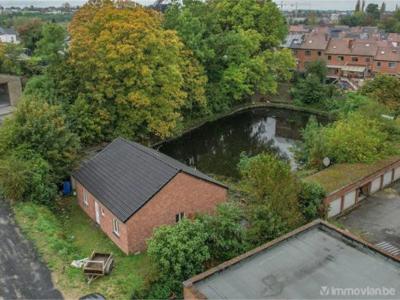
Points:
[(129, 190)]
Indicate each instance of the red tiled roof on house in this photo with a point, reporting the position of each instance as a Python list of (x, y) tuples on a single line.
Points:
[(388, 54), (394, 37), (315, 41), (364, 47), (338, 46)]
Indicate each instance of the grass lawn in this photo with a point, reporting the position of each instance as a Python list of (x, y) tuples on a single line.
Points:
[(340, 175), (69, 234)]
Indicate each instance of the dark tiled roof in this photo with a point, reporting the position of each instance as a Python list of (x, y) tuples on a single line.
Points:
[(125, 175), (7, 31)]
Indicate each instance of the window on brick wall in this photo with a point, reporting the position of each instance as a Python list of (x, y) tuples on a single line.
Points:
[(85, 198), (308, 53), (392, 64), (329, 57), (116, 226), (354, 58), (378, 64), (179, 217), (367, 59), (319, 53), (340, 57)]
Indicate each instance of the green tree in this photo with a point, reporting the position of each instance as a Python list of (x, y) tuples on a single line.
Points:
[(310, 90), (311, 150), (269, 182), (52, 43), (237, 42), (25, 176), (179, 252), (356, 138), (373, 11), (311, 198), (143, 79), (41, 128), (317, 68), (384, 89), (29, 31), (226, 232), (265, 224)]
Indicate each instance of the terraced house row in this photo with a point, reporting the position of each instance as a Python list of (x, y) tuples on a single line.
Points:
[(350, 52)]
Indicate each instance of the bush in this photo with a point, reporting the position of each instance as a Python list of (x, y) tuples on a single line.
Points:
[(310, 90), (311, 200), (179, 252), (265, 225), (226, 233), (267, 180), (27, 179)]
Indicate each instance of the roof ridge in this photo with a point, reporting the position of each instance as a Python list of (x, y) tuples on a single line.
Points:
[(134, 144)]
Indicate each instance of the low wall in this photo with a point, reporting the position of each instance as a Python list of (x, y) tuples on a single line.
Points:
[(14, 87)]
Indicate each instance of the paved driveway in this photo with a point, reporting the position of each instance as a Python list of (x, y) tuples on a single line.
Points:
[(22, 274), (378, 219)]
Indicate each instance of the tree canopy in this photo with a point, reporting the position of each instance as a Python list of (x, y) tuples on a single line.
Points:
[(144, 76), (236, 42)]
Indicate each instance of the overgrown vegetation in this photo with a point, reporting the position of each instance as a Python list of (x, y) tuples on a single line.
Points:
[(70, 234), (274, 202), (366, 130)]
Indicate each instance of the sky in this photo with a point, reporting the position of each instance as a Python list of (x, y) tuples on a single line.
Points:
[(286, 4)]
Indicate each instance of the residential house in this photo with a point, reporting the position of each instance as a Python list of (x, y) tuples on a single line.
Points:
[(129, 190), (311, 49), (315, 261), (387, 60), (8, 35)]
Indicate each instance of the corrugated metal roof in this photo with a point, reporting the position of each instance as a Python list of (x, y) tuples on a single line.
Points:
[(125, 175)]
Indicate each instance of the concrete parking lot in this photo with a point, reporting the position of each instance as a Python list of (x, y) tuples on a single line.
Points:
[(377, 219), (22, 274)]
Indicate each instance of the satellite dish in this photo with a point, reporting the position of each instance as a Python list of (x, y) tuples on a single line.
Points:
[(326, 161)]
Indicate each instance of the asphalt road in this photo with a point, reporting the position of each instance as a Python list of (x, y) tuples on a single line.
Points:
[(378, 217), (22, 274)]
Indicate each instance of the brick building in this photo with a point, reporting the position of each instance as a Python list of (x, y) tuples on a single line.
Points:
[(311, 49), (129, 190), (350, 52)]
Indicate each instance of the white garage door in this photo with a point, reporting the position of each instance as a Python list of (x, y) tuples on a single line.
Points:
[(397, 173), (349, 200), (387, 178), (376, 185), (334, 207)]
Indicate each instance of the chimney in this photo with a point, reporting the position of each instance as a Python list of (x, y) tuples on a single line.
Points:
[(351, 41)]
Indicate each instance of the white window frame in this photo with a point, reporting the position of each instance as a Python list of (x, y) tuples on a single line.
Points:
[(85, 198), (179, 217), (115, 224)]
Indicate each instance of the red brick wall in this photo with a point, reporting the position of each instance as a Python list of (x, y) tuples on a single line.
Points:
[(302, 58), (184, 193), (105, 219), (348, 61), (385, 69)]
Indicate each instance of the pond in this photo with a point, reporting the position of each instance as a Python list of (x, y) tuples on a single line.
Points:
[(215, 147)]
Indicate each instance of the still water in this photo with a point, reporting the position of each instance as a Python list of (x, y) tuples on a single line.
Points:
[(215, 147)]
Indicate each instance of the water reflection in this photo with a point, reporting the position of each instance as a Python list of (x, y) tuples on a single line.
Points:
[(215, 148)]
